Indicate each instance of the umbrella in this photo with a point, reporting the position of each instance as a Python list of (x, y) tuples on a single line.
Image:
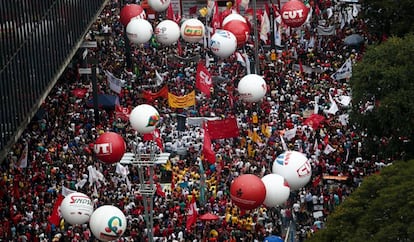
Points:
[(209, 216), (273, 238), (353, 40)]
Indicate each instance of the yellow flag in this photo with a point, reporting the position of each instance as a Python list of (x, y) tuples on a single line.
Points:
[(181, 101)]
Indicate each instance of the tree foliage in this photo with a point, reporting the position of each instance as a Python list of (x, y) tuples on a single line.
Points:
[(382, 209), (389, 17), (382, 93)]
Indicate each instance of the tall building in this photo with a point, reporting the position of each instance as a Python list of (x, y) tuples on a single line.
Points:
[(38, 39)]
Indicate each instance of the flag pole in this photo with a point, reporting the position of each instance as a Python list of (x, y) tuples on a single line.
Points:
[(256, 41)]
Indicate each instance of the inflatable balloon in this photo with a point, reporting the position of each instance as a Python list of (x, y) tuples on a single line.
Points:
[(109, 147), (192, 30), (247, 191), (223, 43), (239, 29), (277, 190), (225, 13), (295, 167), (139, 31), (233, 16), (294, 13), (107, 223), (130, 11), (167, 32), (144, 118), (252, 88), (76, 208), (159, 5)]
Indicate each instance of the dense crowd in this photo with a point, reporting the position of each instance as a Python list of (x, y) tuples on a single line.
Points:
[(60, 138)]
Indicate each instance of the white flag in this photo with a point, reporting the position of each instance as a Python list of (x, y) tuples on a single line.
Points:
[(66, 191), (264, 27), (334, 107), (290, 134), (23, 158), (345, 71), (246, 58), (160, 80), (328, 149), (121, 170), (115, 84), (278, 36), (284, 146), (240, 59)]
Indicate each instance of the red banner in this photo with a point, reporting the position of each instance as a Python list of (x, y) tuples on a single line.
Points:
[(208, 152), (203, 79), (223, 129), (151, 96), (122, 112)]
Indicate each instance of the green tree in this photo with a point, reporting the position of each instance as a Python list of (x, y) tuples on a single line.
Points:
[(382, 209), (382, 93), (389, 17)]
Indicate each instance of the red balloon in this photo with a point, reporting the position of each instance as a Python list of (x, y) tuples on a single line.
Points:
[(294, 13), (247, 191), (130, 11), (239, 29), (109, 147)]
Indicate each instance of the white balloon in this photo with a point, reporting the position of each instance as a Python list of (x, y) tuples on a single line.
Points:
[(139, 30), (252, 88), (277, 190), (295, 167), (167, 32), (107, 223), (144, 118), (223, 43), (76, 208), (233, 16), (192, 30), (159, 5)]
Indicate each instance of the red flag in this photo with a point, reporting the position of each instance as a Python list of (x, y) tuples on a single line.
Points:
[(191, 213), (155, 136), (203, 79), (192, 10), (179, 49), (170, 13), (208, 152), (314, 121), (55, 216), (300, 66), (222, 129), (151, 96), (159, 190), (316, 181), (122, 112), (216, 20)]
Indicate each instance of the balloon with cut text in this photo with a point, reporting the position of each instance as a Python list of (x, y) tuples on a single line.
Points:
[(144, 118), (295, 167), (130, 11), (294, 13), (167, 32), (76, 208), (223, 43), (192, 30), (240, 30), (277, 190), (109, 147), (107, 223), (252, 88), (159, 5), (139, 31), (247, 191)]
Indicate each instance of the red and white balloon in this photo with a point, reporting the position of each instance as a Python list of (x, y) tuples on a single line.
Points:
[(130, 11), (295, 167), (233, 16), (109, 147), (294, 13), (252, 88), (247, 191), (240, 30)]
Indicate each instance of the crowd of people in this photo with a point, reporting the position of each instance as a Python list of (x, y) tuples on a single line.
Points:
[(60, 138)]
